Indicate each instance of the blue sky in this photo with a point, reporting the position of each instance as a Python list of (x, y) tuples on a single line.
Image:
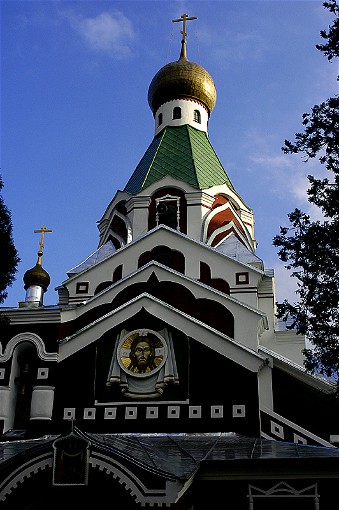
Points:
[(76, 122)]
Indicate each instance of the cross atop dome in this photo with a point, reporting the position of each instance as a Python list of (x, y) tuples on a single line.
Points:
[(182, 80), (36, 279), (183, 18), (42, 231)]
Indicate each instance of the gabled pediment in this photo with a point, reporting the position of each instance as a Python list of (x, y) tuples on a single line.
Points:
[(186, 294), (128, 257), (173, 318), (164, 273)]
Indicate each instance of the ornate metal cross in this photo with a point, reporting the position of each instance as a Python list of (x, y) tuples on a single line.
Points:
[(42, 230), (183, 18)]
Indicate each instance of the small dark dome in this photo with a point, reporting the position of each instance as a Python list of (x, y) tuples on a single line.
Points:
[(36, 276), (182, 79)]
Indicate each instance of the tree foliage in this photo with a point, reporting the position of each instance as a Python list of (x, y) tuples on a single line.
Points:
[(8, 254), (310, 249)]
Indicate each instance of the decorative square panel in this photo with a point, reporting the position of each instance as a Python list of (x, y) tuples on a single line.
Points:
[(238, 411), (242, 278), (110, 413), (131, 413), (173, 412), (277, 430), (69, 413), (42, 373), (152, 412), (217, 411), (89, 413), (194, 412), (82, 288)]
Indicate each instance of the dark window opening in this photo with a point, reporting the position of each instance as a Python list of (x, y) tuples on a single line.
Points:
[(177, 112), (168, 207), (159, 119), (117, 274), (197, 116), (166, 256), (119, 227), (121, 207), (215, 283), (116, 242), (167, 213)]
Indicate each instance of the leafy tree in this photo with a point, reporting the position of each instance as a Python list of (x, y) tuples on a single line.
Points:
[(309, 248), (8, 254)]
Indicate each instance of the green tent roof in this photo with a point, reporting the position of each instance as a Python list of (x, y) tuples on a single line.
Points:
[(184, 153)]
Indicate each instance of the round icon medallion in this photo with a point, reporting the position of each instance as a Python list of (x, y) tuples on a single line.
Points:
[(141, 353)]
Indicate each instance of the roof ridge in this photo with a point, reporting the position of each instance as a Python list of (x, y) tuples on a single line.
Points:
[(160, 137), (194, 130)]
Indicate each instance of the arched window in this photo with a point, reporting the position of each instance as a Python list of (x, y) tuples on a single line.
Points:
[(117, 274), (168, 211), (177, 112), (197, 116), (102, 286), (215, 283), (168, 207), (159, 119), (166, 256), (118, 226)]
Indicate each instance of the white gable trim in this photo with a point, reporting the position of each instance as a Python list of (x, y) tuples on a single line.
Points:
[(157, 236), (190, 326), (256, 317), (142, 274)]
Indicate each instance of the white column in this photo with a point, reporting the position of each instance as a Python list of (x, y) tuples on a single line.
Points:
[(265, 386), (42, 403), (199, 204), (137, 210), (6, 407)]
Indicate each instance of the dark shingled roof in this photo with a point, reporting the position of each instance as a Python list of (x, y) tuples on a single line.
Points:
[(173, 456), (184, 153)]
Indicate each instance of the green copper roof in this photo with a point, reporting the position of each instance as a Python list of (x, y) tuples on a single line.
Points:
[(184, 153)]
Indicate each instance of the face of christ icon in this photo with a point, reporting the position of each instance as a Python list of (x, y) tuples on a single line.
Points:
[(143, 364), (142, 355)]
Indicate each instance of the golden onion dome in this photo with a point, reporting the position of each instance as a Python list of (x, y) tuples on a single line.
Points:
[(37, 276), (179, 80)]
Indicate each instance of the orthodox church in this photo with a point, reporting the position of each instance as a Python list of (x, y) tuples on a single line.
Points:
[(161, 378)]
